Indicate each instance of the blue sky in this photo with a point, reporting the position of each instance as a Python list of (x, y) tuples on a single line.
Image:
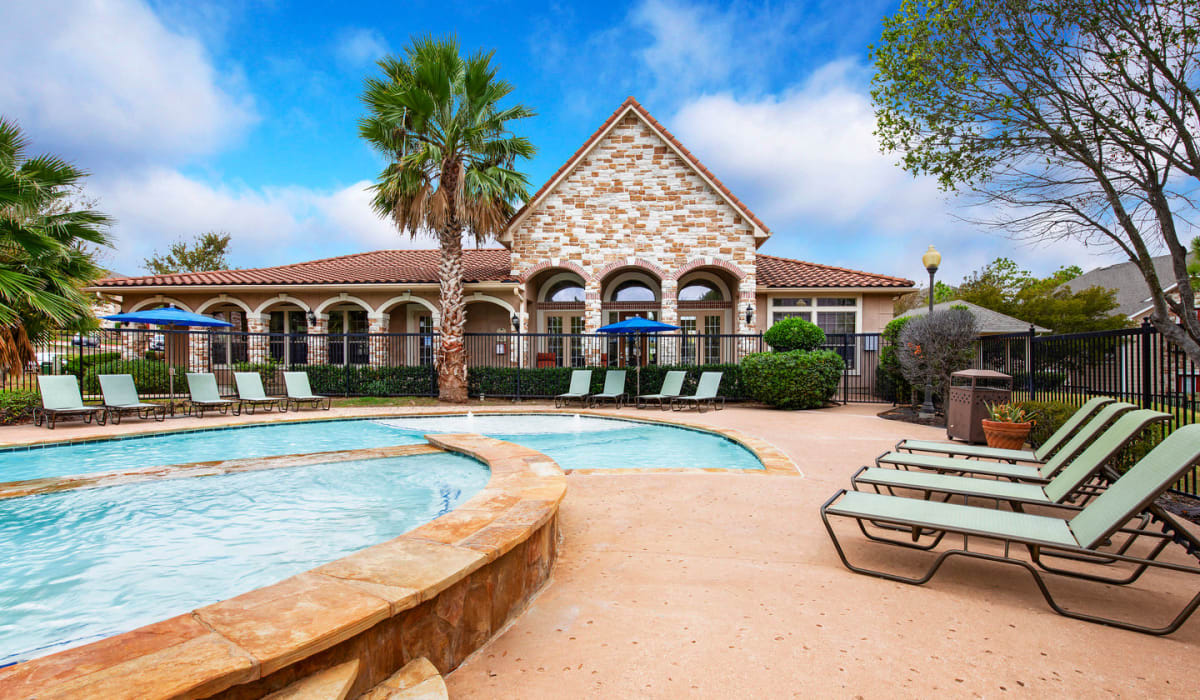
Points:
[(241, 116)]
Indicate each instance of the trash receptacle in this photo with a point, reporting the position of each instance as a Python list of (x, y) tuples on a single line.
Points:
[(966, 406)]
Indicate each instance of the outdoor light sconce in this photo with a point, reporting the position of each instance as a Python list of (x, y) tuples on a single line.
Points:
[(749, 314), (516, 323), (312, 318)]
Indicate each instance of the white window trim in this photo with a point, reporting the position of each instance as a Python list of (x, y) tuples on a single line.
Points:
[(813, 309)]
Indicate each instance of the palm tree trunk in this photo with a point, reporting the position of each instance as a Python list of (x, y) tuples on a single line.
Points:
[(452, 368)]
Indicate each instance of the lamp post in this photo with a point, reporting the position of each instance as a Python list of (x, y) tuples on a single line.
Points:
[(516, 323), (931, 259)]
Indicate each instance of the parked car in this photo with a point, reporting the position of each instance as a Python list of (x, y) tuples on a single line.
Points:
[(85, 341), (158, 343)]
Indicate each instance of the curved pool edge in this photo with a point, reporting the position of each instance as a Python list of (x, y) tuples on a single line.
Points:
[(774, 460), (439, 591)]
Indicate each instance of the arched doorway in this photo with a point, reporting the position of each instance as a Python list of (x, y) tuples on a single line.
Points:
[(558, 318), (626, 293), (705, 306)]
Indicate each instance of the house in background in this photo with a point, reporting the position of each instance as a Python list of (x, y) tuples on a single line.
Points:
[(631, 225), (1132, 292), (987, 322)]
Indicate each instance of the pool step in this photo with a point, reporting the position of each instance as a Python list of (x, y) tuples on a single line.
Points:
[(330, 684), (418, 680)]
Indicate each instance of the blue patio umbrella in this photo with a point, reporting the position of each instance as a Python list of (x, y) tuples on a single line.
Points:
[(640, 326), (169, 316)]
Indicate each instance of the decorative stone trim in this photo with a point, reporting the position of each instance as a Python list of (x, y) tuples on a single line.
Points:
[(554, 265), (700, 263), (615, 265), (439, 591)]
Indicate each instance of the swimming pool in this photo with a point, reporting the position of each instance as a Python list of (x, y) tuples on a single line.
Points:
[(575, 442), (81, 565)]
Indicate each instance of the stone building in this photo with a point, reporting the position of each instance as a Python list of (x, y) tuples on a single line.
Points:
[(632, 224)]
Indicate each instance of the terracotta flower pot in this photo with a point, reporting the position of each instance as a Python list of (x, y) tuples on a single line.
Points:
[(1007, 436)]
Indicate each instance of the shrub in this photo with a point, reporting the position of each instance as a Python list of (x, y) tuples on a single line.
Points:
[(75, 364), (150, 376), (890, 383), (551, 381), (795, 379), (359, 380), (932, 347), (1052, 414), (17, 404), (794, 334), (1043, 380)]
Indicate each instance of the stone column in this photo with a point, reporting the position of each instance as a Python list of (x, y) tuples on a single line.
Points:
[(378, 349), (593, 318), (198, 348), (668, 348), (318, 341), (257, 344)]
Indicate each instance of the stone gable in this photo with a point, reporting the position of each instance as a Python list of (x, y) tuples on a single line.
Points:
[(633, 197)]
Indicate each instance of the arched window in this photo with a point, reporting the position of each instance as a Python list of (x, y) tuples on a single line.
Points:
[(633, 290), (701, 290), (566, 290)]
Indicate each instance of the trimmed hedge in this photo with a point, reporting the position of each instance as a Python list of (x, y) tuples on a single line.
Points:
[(358, 380), (794, 334), (795, 379), (551, 381), (150, 376), (74, 364), (17, 405)]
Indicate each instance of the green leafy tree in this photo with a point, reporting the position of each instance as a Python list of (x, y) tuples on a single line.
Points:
[(1004, 286), (209, 251), (436, 117), (1063, 118), (45, 248)]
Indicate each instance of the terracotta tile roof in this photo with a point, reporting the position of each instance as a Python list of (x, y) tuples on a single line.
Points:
[(482, 265), (374, 267), (608, 123), (785, 272)]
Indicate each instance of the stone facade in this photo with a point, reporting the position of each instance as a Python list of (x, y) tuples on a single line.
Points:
[(633, 202)]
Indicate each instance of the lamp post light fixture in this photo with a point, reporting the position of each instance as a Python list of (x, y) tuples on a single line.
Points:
[(931, 259), (516, 324)]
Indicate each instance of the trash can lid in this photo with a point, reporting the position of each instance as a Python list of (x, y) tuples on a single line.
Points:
[(980, 374)]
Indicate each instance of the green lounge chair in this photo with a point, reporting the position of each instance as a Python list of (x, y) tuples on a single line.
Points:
[(1040, 455), (614, 389), (251, 394), (300, 392), (1084, 538), (581, 387), (706, 392), (203, 395), (672, 386), (1024, 472), (61, 397), (121, 397), (1069, 485)]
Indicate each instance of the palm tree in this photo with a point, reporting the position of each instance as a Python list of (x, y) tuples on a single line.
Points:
[(45, 248), (436, 117)]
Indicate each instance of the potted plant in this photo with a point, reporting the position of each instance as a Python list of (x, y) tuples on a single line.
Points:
[(1007, 426)]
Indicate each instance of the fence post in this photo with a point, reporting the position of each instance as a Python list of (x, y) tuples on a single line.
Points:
[(1030, 364), (1144, 339), (845, 372)]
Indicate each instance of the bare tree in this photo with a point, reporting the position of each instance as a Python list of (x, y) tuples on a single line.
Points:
[(1061, 119)]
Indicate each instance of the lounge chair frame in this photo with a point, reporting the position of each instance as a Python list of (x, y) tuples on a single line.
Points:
[(563, 400), (141, 409), (1172, 532), (313, 400), (50, 416), (679, 403), (663, 397), (618, 398), (249, 405), (221, 406)]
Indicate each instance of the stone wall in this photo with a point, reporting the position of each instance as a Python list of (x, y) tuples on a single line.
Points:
[(633, 194)]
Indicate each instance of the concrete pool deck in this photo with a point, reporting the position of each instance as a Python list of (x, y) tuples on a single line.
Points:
[(718, 585)]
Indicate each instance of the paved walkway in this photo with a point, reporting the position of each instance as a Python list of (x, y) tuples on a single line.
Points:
[(724, 586), (721, 586)]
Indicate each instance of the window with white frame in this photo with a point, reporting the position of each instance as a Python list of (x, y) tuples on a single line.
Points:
[(837, 316)]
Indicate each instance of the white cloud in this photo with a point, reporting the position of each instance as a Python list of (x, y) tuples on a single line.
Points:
[(273, 226), (358, 47), (809, 165), (106, 82)]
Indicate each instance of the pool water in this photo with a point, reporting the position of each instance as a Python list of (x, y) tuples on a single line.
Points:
[(575, 442), (81, 565)]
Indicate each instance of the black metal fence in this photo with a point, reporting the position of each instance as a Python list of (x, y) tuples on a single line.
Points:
[(1137, 365), (533, 365)]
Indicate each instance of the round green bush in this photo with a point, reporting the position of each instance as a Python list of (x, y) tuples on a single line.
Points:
[(795, 379), (794, 334)]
